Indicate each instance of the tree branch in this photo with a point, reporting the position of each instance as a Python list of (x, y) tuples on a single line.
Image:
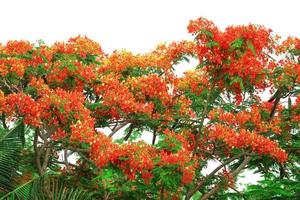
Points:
[(234, 174), (129, 132), (204, 113), (3, 121), (154, 138), (190, 193), (37, 152), (117, 129), (66, 160)]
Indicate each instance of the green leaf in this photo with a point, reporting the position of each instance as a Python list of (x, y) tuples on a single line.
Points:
[(211, 44), (93, 106), (11, 144), (48, 187), (204, 63), (196, 196), (237, 44), (237, 79), (251, 47), (206, 32), (19, 127)]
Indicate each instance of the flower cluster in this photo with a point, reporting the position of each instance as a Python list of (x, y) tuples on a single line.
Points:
[(251, 119), (131, 158), (23, 105), (246, 139), (236, 57)]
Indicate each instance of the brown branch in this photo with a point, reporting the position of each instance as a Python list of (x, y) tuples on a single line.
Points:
[(234, 174), (154, 138), (162, 193), (191, 192), (41, 166), (211, 192), (204, 113), (78, 149), (117, 129), (11, 87), (37, 152), (115, 126), (66, 160), (236, 191), (276, 102), (3, 121), (64, 163), (131, 127), (46, 158)]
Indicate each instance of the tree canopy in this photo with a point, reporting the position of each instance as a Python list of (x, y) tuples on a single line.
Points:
[(72, 118)]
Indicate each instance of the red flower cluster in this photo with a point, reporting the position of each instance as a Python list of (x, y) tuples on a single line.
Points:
[(177, 150), (130, 158), (229, 178), (14, 47), (195, 81), (118, 99), (236, 56), (248, 119), (163, 57), (246, 139), (133, 158), (78, 45), (12, 66), (23, 105)]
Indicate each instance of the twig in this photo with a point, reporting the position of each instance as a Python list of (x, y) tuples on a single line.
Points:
[(3, 121), (129, 132), (37, 152), (204, 113), (117, 129), (154, 138), (234, 174), (190, 193), (66, 160)]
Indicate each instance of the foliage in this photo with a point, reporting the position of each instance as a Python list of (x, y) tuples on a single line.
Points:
[(72, 118)]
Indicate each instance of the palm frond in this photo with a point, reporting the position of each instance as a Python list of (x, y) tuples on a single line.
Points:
[(11, 145), (48, 187)]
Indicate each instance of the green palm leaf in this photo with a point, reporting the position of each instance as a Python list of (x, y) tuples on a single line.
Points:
[(11, 145), (48, 187)]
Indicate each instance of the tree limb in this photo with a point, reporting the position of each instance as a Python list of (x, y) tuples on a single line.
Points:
[(117, 129), (190, 193), (234, 174), (37, 152)]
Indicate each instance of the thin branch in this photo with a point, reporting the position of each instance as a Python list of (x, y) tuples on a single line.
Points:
[(3, 121), (66, 160), (78, 149), (190, 193), (204, 113), (234, 174), (115, 126), (10, 87), (64, 163), (129, 132), (154, 138), (235, 190), (46, 159), (276, 102), (117, 129), (37, 152), (162, 193)]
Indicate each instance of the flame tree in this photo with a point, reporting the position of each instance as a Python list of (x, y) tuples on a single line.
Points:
[(72, 118)]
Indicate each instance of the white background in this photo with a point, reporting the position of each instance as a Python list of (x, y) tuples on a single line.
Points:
[(138, 25)]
